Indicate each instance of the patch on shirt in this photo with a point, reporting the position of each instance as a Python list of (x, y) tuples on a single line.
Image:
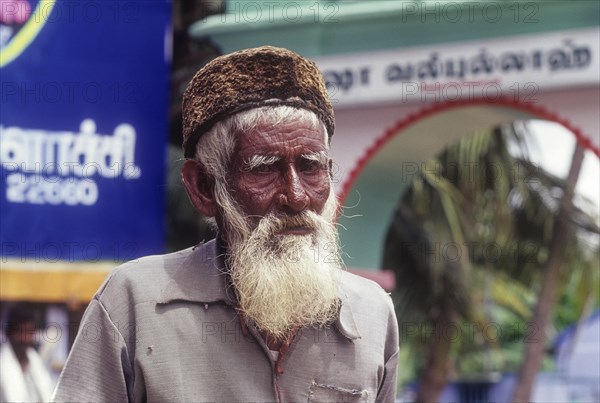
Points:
[(330, 393)]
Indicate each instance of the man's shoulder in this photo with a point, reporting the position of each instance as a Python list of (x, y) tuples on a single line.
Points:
[(369, 309), (146, 269), (360, 290), (145, 278)]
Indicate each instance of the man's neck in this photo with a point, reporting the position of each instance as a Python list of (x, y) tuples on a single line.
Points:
[(276, 344), (271, 342)]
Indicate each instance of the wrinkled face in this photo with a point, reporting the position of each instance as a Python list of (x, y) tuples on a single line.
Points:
[(277, 221), (281, 169)]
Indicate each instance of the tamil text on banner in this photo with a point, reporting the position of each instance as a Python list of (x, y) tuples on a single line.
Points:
[(83, 128)]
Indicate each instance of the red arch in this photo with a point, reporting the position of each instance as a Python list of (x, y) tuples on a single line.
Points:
[(404, 123)]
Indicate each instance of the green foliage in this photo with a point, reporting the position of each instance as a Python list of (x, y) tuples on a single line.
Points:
[(471, 234)]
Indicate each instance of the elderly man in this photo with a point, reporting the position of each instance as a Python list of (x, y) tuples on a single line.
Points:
[(264, 312)]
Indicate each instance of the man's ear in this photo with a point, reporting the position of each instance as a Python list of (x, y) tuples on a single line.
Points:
[(199, 187)]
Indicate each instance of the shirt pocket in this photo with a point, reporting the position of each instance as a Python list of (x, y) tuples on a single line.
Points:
[(326, 393)]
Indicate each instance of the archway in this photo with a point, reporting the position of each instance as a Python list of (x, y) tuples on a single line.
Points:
[(372, 189)]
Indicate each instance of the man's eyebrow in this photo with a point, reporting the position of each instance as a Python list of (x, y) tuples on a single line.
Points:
[(320, 156), (259, 160)]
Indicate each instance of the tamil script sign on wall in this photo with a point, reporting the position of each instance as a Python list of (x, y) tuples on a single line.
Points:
[(83, 128), (516, 67)]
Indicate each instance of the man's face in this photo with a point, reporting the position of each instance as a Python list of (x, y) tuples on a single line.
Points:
[(278, 224), (281, 169)]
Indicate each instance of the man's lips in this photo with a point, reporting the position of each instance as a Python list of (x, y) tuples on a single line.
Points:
[(296, 230)]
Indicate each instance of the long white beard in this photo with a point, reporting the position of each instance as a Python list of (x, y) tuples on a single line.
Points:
[(285, 282)]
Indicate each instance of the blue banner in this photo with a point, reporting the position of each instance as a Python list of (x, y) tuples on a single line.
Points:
[(83, 128)]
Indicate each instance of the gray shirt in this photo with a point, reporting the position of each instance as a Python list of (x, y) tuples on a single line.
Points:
[(165, 328)]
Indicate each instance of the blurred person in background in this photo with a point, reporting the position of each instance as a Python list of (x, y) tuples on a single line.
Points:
[(264, 312), (23, 375)]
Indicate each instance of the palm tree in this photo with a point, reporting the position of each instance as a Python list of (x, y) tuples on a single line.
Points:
[(561, 237), (474, 198)]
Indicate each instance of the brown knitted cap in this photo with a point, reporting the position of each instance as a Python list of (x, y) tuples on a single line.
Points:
[(247, 79)]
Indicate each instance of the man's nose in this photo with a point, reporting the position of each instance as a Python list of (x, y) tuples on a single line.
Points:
[(293, 195)]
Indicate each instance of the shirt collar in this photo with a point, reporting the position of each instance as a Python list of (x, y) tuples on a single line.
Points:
[(345, 322), (202, 278)]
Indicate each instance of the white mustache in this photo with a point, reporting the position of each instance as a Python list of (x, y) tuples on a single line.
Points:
[(279, 223)]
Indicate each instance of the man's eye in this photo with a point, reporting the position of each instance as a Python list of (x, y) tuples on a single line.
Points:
[(310, 166), (263, 168)]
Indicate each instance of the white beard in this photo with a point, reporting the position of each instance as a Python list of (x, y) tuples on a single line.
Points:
[(285, 282)]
